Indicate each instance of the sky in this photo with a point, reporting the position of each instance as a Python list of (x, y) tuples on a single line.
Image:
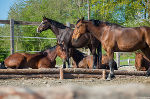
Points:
[(4, 8)]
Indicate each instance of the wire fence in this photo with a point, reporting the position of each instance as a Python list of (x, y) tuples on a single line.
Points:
[(19, 39)]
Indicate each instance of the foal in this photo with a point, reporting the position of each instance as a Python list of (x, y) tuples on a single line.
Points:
[(44, 59)]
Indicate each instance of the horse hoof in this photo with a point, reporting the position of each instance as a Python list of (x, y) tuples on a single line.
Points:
[(64, 66), (110, 77), (147, 74), (94, 67)]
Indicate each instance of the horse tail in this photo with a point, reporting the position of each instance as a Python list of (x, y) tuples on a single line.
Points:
[(2, 66)]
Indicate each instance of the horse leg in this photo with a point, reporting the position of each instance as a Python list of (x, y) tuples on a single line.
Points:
[(93, 50), (95, 61), (99, 52), (146, 52), (68, 57), (68, 61), (111, 75), (64, 63)]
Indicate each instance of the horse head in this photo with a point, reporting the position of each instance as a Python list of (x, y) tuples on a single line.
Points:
[(60, 50), (80, 29), (44, 25)]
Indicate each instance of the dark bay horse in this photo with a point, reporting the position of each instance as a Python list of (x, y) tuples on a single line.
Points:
[(115, 38), (44, 59), (81, 60), (64, 34)]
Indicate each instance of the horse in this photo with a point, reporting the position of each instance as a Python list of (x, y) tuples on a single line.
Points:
[(142, 63), (64, 34), (81, 60), (115, 38), (43, 59)]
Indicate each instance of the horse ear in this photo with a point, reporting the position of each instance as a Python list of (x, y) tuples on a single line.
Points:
[(44, 17), (82, 18)]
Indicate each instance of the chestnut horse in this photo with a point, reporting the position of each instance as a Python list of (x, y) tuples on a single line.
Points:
[(87, 62), (44, 59), (64, 34), (142, 63), (115, 38), (81, 60)]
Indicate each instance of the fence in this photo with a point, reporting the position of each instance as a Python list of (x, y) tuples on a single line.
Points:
[(12, 39)]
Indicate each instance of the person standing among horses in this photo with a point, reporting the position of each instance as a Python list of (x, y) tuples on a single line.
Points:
[(116, 38), (64, 35)]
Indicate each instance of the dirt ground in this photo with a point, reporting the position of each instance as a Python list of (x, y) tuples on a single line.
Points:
[(52, 82)]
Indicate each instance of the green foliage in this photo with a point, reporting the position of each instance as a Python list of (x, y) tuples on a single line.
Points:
[(5, 42)]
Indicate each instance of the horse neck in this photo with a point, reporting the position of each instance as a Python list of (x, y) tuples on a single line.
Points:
[(54, 29), (97, 31), (52, 55)]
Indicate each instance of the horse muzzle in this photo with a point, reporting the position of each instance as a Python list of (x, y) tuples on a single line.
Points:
[(38, 31)]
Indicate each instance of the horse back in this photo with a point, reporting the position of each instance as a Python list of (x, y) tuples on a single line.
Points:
[(33, 59), (124, 38), (46, 63), (15, 60)]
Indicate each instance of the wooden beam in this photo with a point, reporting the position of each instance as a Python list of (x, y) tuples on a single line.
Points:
[(26, 23), (4, 21), (12, 50), (19, 22)]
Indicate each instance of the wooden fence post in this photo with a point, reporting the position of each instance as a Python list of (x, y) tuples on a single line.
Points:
[(11, 36), (61, 74), (104, 74), (118, 59)]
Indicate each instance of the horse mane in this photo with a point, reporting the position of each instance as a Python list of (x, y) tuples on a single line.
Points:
[(78, 21), (98, 22), (48, 48), (57, 24)]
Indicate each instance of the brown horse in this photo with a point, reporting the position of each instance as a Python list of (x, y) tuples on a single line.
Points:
[(81, 60), (44, 59), (87, 62), (142, 63), (115, 38)]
